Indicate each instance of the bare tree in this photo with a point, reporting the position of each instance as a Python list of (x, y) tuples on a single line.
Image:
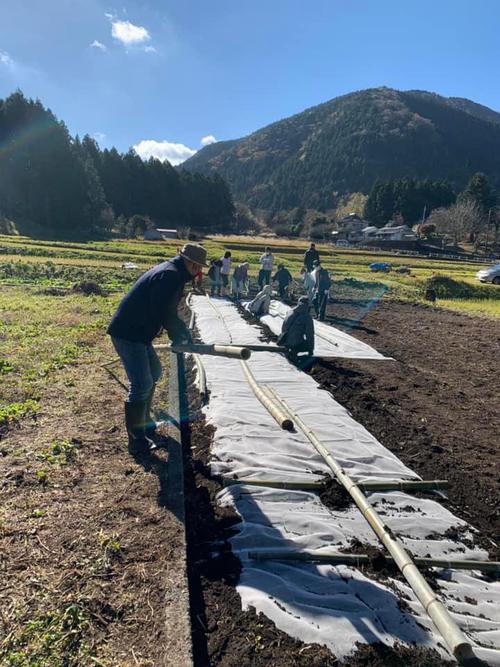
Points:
[(461, 221)]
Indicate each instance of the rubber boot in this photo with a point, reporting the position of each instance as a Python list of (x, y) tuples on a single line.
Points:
[(150, 424), (138, 442)]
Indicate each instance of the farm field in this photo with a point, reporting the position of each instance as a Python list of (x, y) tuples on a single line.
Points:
[(83, 535), (24, 260)]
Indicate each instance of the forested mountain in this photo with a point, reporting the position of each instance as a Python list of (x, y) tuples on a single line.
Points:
[(61, 184), (349, 143)]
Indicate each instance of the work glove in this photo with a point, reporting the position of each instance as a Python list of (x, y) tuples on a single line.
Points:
[(181, 336)]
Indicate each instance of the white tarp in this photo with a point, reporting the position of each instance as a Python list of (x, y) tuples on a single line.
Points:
[(328, 341), (335, 606)]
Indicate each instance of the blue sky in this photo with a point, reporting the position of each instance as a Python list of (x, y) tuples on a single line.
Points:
[(166, 74)]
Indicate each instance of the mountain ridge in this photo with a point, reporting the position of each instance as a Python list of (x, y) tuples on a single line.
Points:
[(347, 143)]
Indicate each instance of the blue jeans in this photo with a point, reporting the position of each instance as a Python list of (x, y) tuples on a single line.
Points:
[(142, 366)]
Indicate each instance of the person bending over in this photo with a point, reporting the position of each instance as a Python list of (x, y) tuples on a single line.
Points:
[(150, 306), (297, 332), (260, 304)]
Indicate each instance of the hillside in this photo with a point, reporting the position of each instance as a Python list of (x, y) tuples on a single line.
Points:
[(346, 144)]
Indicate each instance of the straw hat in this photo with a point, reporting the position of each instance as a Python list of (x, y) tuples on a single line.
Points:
[(194, 253)]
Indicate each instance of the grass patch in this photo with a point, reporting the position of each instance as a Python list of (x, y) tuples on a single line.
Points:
[(13, 413), (50, 639)]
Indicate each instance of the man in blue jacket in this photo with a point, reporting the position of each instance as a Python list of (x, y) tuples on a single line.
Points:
[(150, 306)]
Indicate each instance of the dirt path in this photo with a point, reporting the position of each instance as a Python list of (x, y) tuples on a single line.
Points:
[(84, 540)]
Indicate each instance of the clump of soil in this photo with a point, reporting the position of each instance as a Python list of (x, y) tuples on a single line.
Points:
[(380, 655), (334, 496), (378, 563), (88, 288)]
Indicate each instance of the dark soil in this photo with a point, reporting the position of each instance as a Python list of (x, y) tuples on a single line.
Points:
[(436, 405), (334, 496)]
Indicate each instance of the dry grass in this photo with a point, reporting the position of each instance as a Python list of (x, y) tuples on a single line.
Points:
[(84, 539)]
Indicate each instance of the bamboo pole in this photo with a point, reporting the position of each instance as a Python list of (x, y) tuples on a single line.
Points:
[(359, 559), (266, 348), (230, 351), (202, 377), (274, 410), (405, 485), (444, 623), (389, 485), (274, 484)]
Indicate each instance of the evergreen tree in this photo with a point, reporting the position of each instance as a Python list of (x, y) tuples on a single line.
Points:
[(63, 184), (480, 192)]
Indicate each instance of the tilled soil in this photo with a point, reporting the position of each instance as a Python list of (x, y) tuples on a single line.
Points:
[(223, 634), (436, 405)]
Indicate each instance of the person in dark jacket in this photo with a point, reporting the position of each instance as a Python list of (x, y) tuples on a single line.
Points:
[(297, 332), (321, 292), (150, 306), (311, 256), (284, 279)]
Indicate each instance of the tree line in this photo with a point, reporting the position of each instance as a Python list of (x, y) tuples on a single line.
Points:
[(469, 215), (64, 184)]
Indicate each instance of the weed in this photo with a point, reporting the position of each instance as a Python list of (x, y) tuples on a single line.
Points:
[(51, 639), (5, 367), (42, 477), (111, 549), (61, 452), (13, 413)]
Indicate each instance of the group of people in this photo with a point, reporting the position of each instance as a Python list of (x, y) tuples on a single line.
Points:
[(151, 305), (218, 275), (315, 278)]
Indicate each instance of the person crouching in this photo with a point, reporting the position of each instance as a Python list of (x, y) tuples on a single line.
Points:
[(297, 332)]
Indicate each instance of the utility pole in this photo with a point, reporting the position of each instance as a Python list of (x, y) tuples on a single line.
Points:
[(423, 221), (487, 232)]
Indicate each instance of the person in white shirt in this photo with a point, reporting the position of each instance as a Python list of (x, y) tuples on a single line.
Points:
[(308, 282), (260, 304), (225, 271), (266, 263)]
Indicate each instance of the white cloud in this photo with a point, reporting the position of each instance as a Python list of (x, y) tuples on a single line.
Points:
[(99, 136), (5, 59), (128, 33), (96, 44), (150, 49), (163, 150), (209, 139)]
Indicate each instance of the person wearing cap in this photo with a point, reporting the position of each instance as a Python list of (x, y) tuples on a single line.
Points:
[(297, 332), (284, 279), (150, 306)]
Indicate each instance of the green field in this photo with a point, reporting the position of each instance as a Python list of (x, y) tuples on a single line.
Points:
[(59, 264)]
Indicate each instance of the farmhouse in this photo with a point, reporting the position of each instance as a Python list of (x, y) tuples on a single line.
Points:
[(158, 234)]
